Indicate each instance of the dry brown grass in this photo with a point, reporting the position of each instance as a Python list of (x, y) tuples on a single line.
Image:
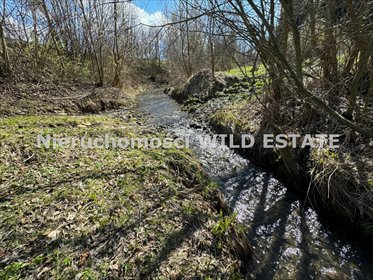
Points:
[(344, 180)]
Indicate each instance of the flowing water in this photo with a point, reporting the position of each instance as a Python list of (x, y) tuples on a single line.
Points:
[(289, 240)]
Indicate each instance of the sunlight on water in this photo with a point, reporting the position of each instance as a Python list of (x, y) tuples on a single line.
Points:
[(290, 242)]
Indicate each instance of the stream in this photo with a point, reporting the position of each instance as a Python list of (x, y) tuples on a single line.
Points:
[(290, 241)]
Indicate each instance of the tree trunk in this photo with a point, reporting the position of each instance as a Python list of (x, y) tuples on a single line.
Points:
[(362, 68), (35, 31), (329, 57), (211, 45), (4, 47), (117, 64), (53, 33), (92, 49), (289, 9)]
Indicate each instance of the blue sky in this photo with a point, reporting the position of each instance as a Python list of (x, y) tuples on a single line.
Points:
[(152, 6), (154, 11)]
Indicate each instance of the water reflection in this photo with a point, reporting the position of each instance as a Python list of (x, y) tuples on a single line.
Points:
[(290, 242)]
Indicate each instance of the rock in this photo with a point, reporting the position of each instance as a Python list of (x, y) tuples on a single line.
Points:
[(203, 86)]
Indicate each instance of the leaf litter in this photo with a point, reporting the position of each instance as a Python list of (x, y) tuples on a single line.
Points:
[(105, 213)]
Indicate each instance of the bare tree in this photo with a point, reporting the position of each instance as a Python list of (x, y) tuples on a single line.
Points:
[(4, 47)]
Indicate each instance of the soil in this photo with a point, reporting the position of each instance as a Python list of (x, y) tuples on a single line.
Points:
[(63, 99)]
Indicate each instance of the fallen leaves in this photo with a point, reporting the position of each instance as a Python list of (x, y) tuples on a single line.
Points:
[(53, 234), (114, 266), (83, 258), (106, 213)]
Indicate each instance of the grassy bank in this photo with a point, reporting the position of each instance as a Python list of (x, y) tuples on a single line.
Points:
[(337, 181), (108, 213)]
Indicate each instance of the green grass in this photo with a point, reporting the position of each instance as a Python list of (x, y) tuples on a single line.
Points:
[(247, 71), (237, 116), (99, 213)]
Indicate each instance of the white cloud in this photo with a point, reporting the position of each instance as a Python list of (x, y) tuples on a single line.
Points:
[(156, 18)]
